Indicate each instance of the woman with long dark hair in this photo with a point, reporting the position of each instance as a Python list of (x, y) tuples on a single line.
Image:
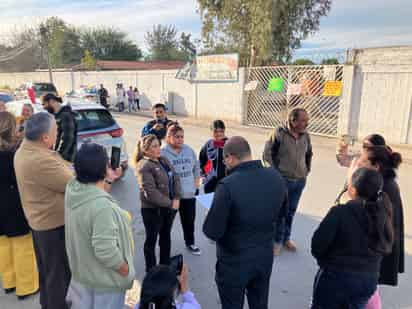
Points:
[(378, 155), (211, 158), (386, 161), (160, 288), (350, 243)]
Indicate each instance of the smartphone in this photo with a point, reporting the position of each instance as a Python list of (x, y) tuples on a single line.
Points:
[(115, 159), (176, 264)]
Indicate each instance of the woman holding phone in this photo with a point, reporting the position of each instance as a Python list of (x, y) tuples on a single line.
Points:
[(350, 243), (160, 196), (160, 287)]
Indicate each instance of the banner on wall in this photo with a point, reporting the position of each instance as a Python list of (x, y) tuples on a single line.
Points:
[(217, 68)]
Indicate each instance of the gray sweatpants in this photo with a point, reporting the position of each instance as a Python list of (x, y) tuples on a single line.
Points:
[(80, 297)]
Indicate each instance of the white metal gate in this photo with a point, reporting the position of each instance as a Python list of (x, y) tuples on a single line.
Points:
[(273, 91)]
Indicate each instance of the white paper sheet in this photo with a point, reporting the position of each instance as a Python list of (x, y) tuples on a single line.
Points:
[(205, 200)]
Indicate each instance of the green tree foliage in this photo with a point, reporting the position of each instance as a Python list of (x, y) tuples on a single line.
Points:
[(303, 62), (262, 30), (330, 61), (88, 61), (23, 53), (187, 47), (164, 44), (62, 41), (109, 44)]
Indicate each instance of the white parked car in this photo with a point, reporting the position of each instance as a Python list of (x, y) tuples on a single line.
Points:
[(94, 124)]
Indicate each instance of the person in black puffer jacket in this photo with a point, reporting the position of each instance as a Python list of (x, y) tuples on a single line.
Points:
[(66, 143)]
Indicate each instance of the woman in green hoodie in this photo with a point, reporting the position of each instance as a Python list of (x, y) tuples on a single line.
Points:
[(99, 240)]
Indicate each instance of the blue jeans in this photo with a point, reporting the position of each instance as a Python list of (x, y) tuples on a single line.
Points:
[(341, 290), (285, 219)]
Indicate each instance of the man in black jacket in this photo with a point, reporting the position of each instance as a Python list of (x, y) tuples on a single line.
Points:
[(157, 126), (66, 143), (241, 221)]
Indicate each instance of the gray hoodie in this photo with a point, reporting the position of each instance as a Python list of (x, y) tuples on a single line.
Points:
[(186, 166)]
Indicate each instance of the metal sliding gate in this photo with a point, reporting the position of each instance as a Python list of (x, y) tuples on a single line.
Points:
[(273, 91)]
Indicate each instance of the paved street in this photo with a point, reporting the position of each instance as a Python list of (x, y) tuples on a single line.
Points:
[(293, 273)]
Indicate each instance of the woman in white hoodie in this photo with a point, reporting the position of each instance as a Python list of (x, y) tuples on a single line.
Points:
[(186, 165)]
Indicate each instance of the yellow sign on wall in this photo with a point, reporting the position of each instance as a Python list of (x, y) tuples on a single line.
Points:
[(333, 88)]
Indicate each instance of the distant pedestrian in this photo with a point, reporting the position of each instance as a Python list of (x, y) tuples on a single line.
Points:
[(186, 165), (160, 195), (211, 158), (131, 99), (350, 242), (241, 220), (42, 176), (18, 271), (99, 239), (289, 150), (66, 143), (157, 126), (137, 98), (103, 95), (121, 95)]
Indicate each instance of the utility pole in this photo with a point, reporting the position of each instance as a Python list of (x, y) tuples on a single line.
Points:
[(45, 42)]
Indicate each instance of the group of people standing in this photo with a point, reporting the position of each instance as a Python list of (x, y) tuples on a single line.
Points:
[(132, 96), (60, 214)]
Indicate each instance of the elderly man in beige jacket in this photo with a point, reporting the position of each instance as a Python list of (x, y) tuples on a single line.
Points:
[(42, 176)]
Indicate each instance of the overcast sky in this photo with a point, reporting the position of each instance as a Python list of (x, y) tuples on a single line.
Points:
[(351, 23)]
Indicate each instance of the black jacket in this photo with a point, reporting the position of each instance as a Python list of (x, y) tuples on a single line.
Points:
[(212, 165), (161, 134), (246, 206), (341, 241), (394, 263), (12, 220), (66, 143)]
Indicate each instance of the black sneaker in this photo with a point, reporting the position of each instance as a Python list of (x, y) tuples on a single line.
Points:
[(194, 250), (9, 291)]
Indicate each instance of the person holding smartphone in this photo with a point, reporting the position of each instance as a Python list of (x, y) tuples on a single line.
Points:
[(99, 242), (160, 287), (160, 196)]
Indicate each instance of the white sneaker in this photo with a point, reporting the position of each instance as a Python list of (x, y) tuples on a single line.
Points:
[(194, 250)]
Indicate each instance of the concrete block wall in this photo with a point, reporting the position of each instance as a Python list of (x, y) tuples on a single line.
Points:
[(208, 100), (381, 99)]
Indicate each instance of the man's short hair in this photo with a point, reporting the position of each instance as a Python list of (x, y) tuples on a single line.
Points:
[(238, 147), (294, 113), (159, 105), (38, 125), (90, 163), (50, 96)]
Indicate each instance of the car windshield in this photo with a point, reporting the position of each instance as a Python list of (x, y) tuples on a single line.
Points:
[(44, 87), (88, 120), (6, 98)]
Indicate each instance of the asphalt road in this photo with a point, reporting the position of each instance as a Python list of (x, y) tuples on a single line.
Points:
[(293, 274)]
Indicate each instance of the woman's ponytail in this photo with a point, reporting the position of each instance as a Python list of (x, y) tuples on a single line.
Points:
[(369, 187)]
